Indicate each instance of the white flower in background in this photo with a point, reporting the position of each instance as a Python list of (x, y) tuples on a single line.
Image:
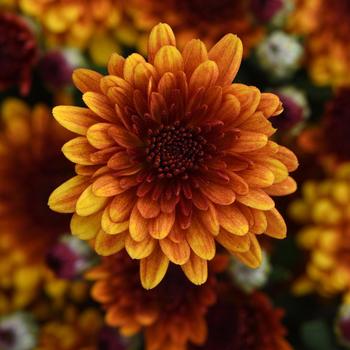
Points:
[(249, 279), (279, 54), (18, 331)]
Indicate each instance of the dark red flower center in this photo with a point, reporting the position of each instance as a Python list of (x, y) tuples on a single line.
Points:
[(175, 149)]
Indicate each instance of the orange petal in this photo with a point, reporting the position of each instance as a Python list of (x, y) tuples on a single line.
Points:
[(78, 150), (98, 137), (142, 74), (232, 220), (283, 188), (196, 269), (138, 225), (112, 227), (100, 104), (168, 59), (205, 75), (229, 109), (75, 119), (200, 240), (148, 207), (260, 222), (107, 186), (258, 123), (279, 170), (227, 53), (276, 227), (257, 199), (124, 138), (88, 203), (258, 176), (269, 104), (178, 253), (106, 244), (153, 269), (248, 141), (121, 205), (116, 65), (194, 53), (253, 257), (210, 219), (64, 198), (129, 66), (233, 243), (141, 249), (87, 80), (237, 184), (161, 35), (287, 157), (217, 193), (160, 226), (85, 227)]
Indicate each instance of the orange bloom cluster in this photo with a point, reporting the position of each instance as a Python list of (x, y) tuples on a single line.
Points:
[(172, 157), (31, 167), (326, 26), (207, 19), (171, 315), (325, 212)]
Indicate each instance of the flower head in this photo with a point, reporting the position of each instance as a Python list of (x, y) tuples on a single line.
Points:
[(324, 211), (171, 315), (87, 24), (18, 52), (326, 28), (172, 157), (241, 321), (208, 19), (18, 331), (31, 166), (279, 54)]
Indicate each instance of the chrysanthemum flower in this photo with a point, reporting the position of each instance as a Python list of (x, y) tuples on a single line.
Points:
[(18, 52), (324, 210), (170, 315), (329, 140), (326, 27), (31, 167), (207, 19), (86, 24), (241, 321), (172, 157)]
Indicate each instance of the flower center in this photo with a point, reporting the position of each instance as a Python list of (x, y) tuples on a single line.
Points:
[(175, 149)]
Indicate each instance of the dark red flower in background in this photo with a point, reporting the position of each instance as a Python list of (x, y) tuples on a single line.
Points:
[(18, 52)]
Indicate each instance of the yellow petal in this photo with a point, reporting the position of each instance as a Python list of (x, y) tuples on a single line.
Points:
[(138, 225), (196, 269), (121, 205), (282, 188), (194, 53), (161, 226), (178, 253), (107, 186), (88, 203), (112, 227), (248, 141), (153, 269), (98, 136), (129, 66), (232, 220), (168, 59), (217, 193), (78, 150), (85, 227), (258, 176), (64, 198), (87, 80), (75, 119), (233, 243), (276, 227), (210, 219), (200, 240), (161, 35), (257, 199), (205, 75), (106, 244), (287, 157), (253, 257), (100, 105), (227, 53), (141, 249), (116, 65)]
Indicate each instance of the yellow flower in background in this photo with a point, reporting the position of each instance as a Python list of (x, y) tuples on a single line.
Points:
[(206, 19), (172, 158), (325, 23), (324, 210), (85, 24), (31, 167)]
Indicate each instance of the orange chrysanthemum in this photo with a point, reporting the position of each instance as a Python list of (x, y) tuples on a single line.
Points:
[(86, 24), (171, 315), (31, 167), (326, 26), (208, 19), (172, 157), (325, 212), (245, 322)]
